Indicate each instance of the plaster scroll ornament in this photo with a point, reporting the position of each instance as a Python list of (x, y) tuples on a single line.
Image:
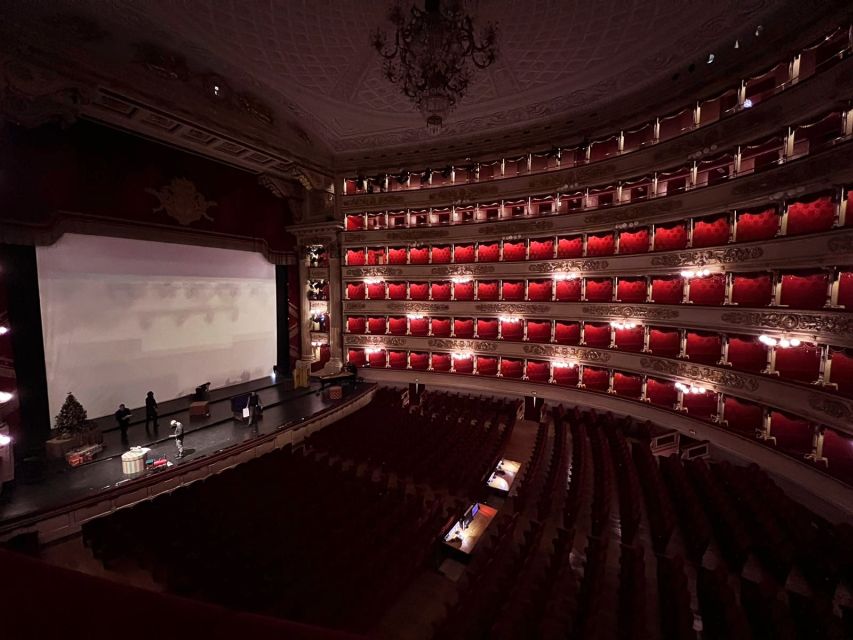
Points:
[(182, 201)]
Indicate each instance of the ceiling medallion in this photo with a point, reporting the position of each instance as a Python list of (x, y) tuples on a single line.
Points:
[(429, 55)]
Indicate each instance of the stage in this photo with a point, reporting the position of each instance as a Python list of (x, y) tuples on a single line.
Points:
[(204, 439)]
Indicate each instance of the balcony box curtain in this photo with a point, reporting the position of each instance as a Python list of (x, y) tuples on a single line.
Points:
[(599, 289), (357, 357), (661, 392), (752, 290), (376, 325), (600, 245), (512, 331), (631, 290), (743, 417), (671, 237), (758, 225), (463, 291), (806, 290), (487, 365), (538, 371), (419, 326), (487, 290), (703, 348), (810, 216), (513, 290), (441, 327), (441, 362), (397, 359), (708, 291), (664, 342), (567, 333), (634, 241), (746, 353), (355, 291), (487, 329), (418, 291), (419, 361), (397, 255), (793, 435), (463, 327), (627, 385), (596, 379), (541, 249), (356, 324), (630, 339), (568, 290), (712, 231), (397, 325), (799, 363), (571, 247), (441, 255), (667, 289), (597, 334)]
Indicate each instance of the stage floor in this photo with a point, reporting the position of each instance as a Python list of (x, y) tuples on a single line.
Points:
[(202, 437)]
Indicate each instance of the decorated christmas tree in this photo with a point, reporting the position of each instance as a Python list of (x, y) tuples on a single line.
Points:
[(72, 416)]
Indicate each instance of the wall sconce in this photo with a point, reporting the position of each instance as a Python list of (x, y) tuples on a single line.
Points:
[(565, 276), (695, 273), (782, 343), (415, 316), (372, 350), (462, 355), (461, 279), (373, 281), (509, 319), (624, 324), (563, 364), (690, 389)]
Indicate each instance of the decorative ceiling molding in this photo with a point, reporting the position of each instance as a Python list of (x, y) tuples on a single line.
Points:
[(637, 312)]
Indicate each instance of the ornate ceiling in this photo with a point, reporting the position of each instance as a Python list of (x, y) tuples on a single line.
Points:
[(309, 68)]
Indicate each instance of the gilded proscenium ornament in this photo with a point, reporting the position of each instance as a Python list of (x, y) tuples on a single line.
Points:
[(639, 312), (462, 270), (841, 244), (835, 408), (389, 341), (711, 375), (502, 307), (372, 272), (568, 265), (464, 345), (835, 323), (515, 227), (708, 256), (578, 353), (417, 307)]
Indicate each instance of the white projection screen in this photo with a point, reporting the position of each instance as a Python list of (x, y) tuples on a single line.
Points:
[(124, 317)]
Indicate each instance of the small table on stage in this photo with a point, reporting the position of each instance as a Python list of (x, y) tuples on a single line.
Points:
[(200, 409), (334, 378)]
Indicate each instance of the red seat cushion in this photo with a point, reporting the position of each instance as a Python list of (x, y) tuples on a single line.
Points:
[(804, 291), (463, 290), (419, 255), (356, 324), (376, 325), (661, 392), (701, 406), (440, 290), (752, 290), (487, 366), (630, 339), (397, 255), (488, 252), (634, 241), (631, 290), (397, 290), (599, 289), (710, 290), (703, 347), (441, 362), (596, 379), (568, 290), (571, 247), (397, 325), (512, 368), (355, 291), (487, 329), (355, 257), (743, 417), (664, 342), (463, 253), (845, 289), (441, 255), (539, 330), (514, 250), (711, 232), (512, 330), (600, 245), (596, 334), (541, 249), (538, 371), (376, 291), (419, 361), (811, 216), (799, 363), (841, 370), (463, 327), (418, 291), (487, 290), (567, 332), (667, 289), (627, 385), (419, 326), (566, 376), (671, 237), (513, 290), (747, 353), (440, 327), (539, 290), (761, 225)]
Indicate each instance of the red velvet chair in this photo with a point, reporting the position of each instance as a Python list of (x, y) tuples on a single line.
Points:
[(464, 366), (539, 330), (703, 348), (376, 325), (463, 327), (441, 362), (538, 371), (539, 290), (804, 290), (463, 253), (566, 376), (487, 290), (487, 365), (743, 417), (397, 255), (567, 332), (793, 435), (376, 291), (572, 247), (811, 216), (596, 379), (441, 255), (513, 290), (377, 359), (441, 327), (711, 232), (376, 256), (746, 353), (419, 326), (634, 241), (398, 360), (702, 406), (845, 290), (463, 290), (631, 290), (600, 245), (596, 334), (397, 290), (355, 291), (355, 257), (418, 291), (419, 361), (541, 249), (356, 324), (514, 250), (419, 255), (661, 392), (487, 329), (488, 252), (357, 357), (671, 237), (599, 289), (512, 368), (759, 225), (440, 290), (709, 291), (799, 363), (664, 342), (752, 290), (667, 289), (841, 370), (630, 339), (629, 386), (568, 290), (397, 325), (355, 222)]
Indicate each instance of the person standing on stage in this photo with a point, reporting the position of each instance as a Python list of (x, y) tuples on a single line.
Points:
[(151, 411), (255, 408), (178, 435), (123, 420)]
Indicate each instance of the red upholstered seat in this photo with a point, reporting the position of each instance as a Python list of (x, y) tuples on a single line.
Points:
[(488, 252), (566, 376), (761, 225), (355, 257), (841, 370), (704, 348), (357, 357), (539, 290), (711, 232), (567, 332), (375, 256), (419, 291), (664, 342), (596, 334), (600, 245), (671, 237), (667, 289), (811, 216), (356, 324), (752, 290), (541, 249), (419, 326), (702, 405), (743, 417), (710, 290), (441, 362), (397, 325), (376, 291), (568, 290), (440, 290), (793, 435), (845, 289), (804, 291), (513, 290), (631, 290), (419, 361), (463, 253), (661, 392), (539, 330), (487, 328), (487, 290), (599, 289), (355, 291), (634, 241), (538, 371), (487, 366), (377, 359), (464, 366), (397, 290), (627, 385), (747, 353), (630, 339), (398, 359), (441, 254), (397, 255), (440, 327), (376, 325), (514, 250), (355, 222), (512, 330), (596, 379), (571, 247), (463, 290), (512, 368), (463, 327), (799, 363)]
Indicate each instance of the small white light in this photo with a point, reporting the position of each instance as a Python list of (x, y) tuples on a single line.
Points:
[(784, 343), (216, 89), (765, 339), (460, 355), (414, 316), (737, 44), (373, 281), (509, 319), (759, 30), (747, 103), (4, 331), (4, 439), (372, 350), (5, 396), (565, 276), (795, 342), (461, 279), (563, 364), (711, 58)]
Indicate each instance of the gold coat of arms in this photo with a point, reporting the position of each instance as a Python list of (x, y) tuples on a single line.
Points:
[(182, 201)]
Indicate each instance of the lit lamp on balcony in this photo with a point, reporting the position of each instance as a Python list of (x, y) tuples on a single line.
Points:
[(781, 343), (563, 364), (695, 273), (624, 324), (565, 276), (690, 389)]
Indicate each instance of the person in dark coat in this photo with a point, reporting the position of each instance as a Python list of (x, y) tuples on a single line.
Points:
[(151, 411), (255, 408), (123, 420)]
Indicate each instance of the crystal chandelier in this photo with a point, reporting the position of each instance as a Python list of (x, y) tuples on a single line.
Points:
[(429, 55)]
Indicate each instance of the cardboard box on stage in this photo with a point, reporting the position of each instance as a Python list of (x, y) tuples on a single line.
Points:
[(200, 409)]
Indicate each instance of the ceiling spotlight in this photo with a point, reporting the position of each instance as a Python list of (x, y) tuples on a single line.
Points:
[(711, 58), (747, 103), (5, 396)]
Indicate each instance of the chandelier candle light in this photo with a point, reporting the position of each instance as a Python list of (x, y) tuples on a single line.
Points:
[(432, 53)]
